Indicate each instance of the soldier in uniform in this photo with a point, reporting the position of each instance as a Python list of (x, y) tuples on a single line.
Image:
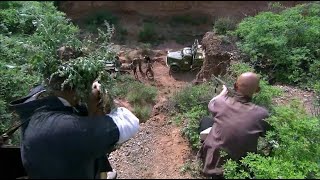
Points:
[(134, 65), (138, 62), (117, 63), (149, 66)]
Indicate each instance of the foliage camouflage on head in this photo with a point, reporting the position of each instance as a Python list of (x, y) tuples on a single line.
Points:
[(75, 70)]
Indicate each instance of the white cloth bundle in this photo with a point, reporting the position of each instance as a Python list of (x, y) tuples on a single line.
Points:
[(127, 123)]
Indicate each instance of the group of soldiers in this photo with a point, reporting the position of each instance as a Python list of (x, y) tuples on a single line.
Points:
[(137, 63), (66, 52)]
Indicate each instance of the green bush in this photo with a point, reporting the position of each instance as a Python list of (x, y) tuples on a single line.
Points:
[(30, 33), (192, 96), (148, 33), (125, 86), (140, 93), (52, 30), (192, 104), (266, 94), (15, 83), (13, 22), (224, 24), (191, 130), (33, 53), (284, 46), (295, 139), (142, 112), (122, 85), (236, 69)]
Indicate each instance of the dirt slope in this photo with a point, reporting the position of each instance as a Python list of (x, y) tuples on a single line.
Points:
[(158, 150)]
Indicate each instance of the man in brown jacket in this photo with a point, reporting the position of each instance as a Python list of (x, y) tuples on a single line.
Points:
[(238, 123)]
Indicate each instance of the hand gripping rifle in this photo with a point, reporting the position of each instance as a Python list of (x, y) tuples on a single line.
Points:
[(221, 82)]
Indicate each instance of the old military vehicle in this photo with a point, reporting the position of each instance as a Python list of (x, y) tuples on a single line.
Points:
[(186, 59)]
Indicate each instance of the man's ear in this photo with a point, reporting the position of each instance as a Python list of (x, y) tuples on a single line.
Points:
[(258, 89)]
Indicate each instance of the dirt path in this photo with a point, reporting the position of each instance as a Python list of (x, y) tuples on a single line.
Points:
[(158, 150)]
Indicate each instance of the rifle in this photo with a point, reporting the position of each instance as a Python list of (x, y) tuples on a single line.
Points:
[(8, 133), (221, 82)]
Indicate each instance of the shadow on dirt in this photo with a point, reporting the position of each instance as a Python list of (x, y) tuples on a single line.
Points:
[(185, 76)]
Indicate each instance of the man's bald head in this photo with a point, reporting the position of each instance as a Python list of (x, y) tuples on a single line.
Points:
[(247, 84)]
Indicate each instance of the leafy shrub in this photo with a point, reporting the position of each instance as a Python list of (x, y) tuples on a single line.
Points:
[(266, 94), (38, 49), (275, 7), (192, 96), (191, 130), (284, 46), (5, 116), (224, 24), (34, 54), (148, 33), (125, 86), (193, 167), (236, 69), (140, 93), (12, 21), (122, 85), (15, 83), (30, 33), (142, 112), (295, 154), (192, 103), (141, 96)]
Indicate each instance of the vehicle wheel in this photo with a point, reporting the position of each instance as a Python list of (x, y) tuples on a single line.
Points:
[(174, 68)]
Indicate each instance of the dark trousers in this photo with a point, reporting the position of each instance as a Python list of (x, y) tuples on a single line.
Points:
[(205, 123), (102, 164)]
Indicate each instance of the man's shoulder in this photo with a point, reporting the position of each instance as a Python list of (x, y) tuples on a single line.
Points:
[(261, 111), (50, 118)]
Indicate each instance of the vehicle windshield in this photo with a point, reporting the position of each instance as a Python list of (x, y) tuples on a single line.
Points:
[(186, 52)]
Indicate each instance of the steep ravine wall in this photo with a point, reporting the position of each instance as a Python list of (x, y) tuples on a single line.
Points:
[(239, 9)]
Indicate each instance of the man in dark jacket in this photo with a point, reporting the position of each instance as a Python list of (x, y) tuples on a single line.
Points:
[(60, 142), (237, 125)]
